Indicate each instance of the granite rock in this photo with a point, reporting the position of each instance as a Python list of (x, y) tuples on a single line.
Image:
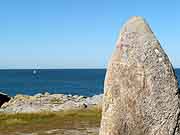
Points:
[(49, 102), (141, 90)]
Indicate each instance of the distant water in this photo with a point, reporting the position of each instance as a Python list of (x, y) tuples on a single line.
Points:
[(87, 82)]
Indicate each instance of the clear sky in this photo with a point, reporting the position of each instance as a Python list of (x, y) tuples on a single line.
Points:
[(78, 33)]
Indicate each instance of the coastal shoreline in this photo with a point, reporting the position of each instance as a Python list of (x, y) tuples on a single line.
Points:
[(47, 102)]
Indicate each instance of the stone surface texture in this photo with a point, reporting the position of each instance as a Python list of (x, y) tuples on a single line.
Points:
[(141, 90), (50, 103)]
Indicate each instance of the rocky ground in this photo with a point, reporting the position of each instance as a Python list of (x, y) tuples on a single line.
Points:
[(49, 102), (71, 114), (81, 131)]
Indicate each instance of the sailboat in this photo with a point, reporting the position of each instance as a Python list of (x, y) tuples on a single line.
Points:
[(34, 72)]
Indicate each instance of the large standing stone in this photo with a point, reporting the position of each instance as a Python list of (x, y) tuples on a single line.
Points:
[(141, 90)]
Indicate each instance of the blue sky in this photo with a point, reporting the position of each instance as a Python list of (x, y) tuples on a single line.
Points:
[(78, 33)]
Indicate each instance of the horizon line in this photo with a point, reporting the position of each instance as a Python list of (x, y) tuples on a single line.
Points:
[(44, 68), (55, 68)]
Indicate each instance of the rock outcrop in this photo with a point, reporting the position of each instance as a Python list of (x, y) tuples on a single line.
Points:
[(141, 91), (50, 103), (3, 98)]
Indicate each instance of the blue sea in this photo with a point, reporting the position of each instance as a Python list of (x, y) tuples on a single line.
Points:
[(87, 82)]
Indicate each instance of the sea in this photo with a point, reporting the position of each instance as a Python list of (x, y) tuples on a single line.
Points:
[(86, 82)]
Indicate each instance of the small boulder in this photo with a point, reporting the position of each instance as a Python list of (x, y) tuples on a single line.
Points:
[(3, 98)]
